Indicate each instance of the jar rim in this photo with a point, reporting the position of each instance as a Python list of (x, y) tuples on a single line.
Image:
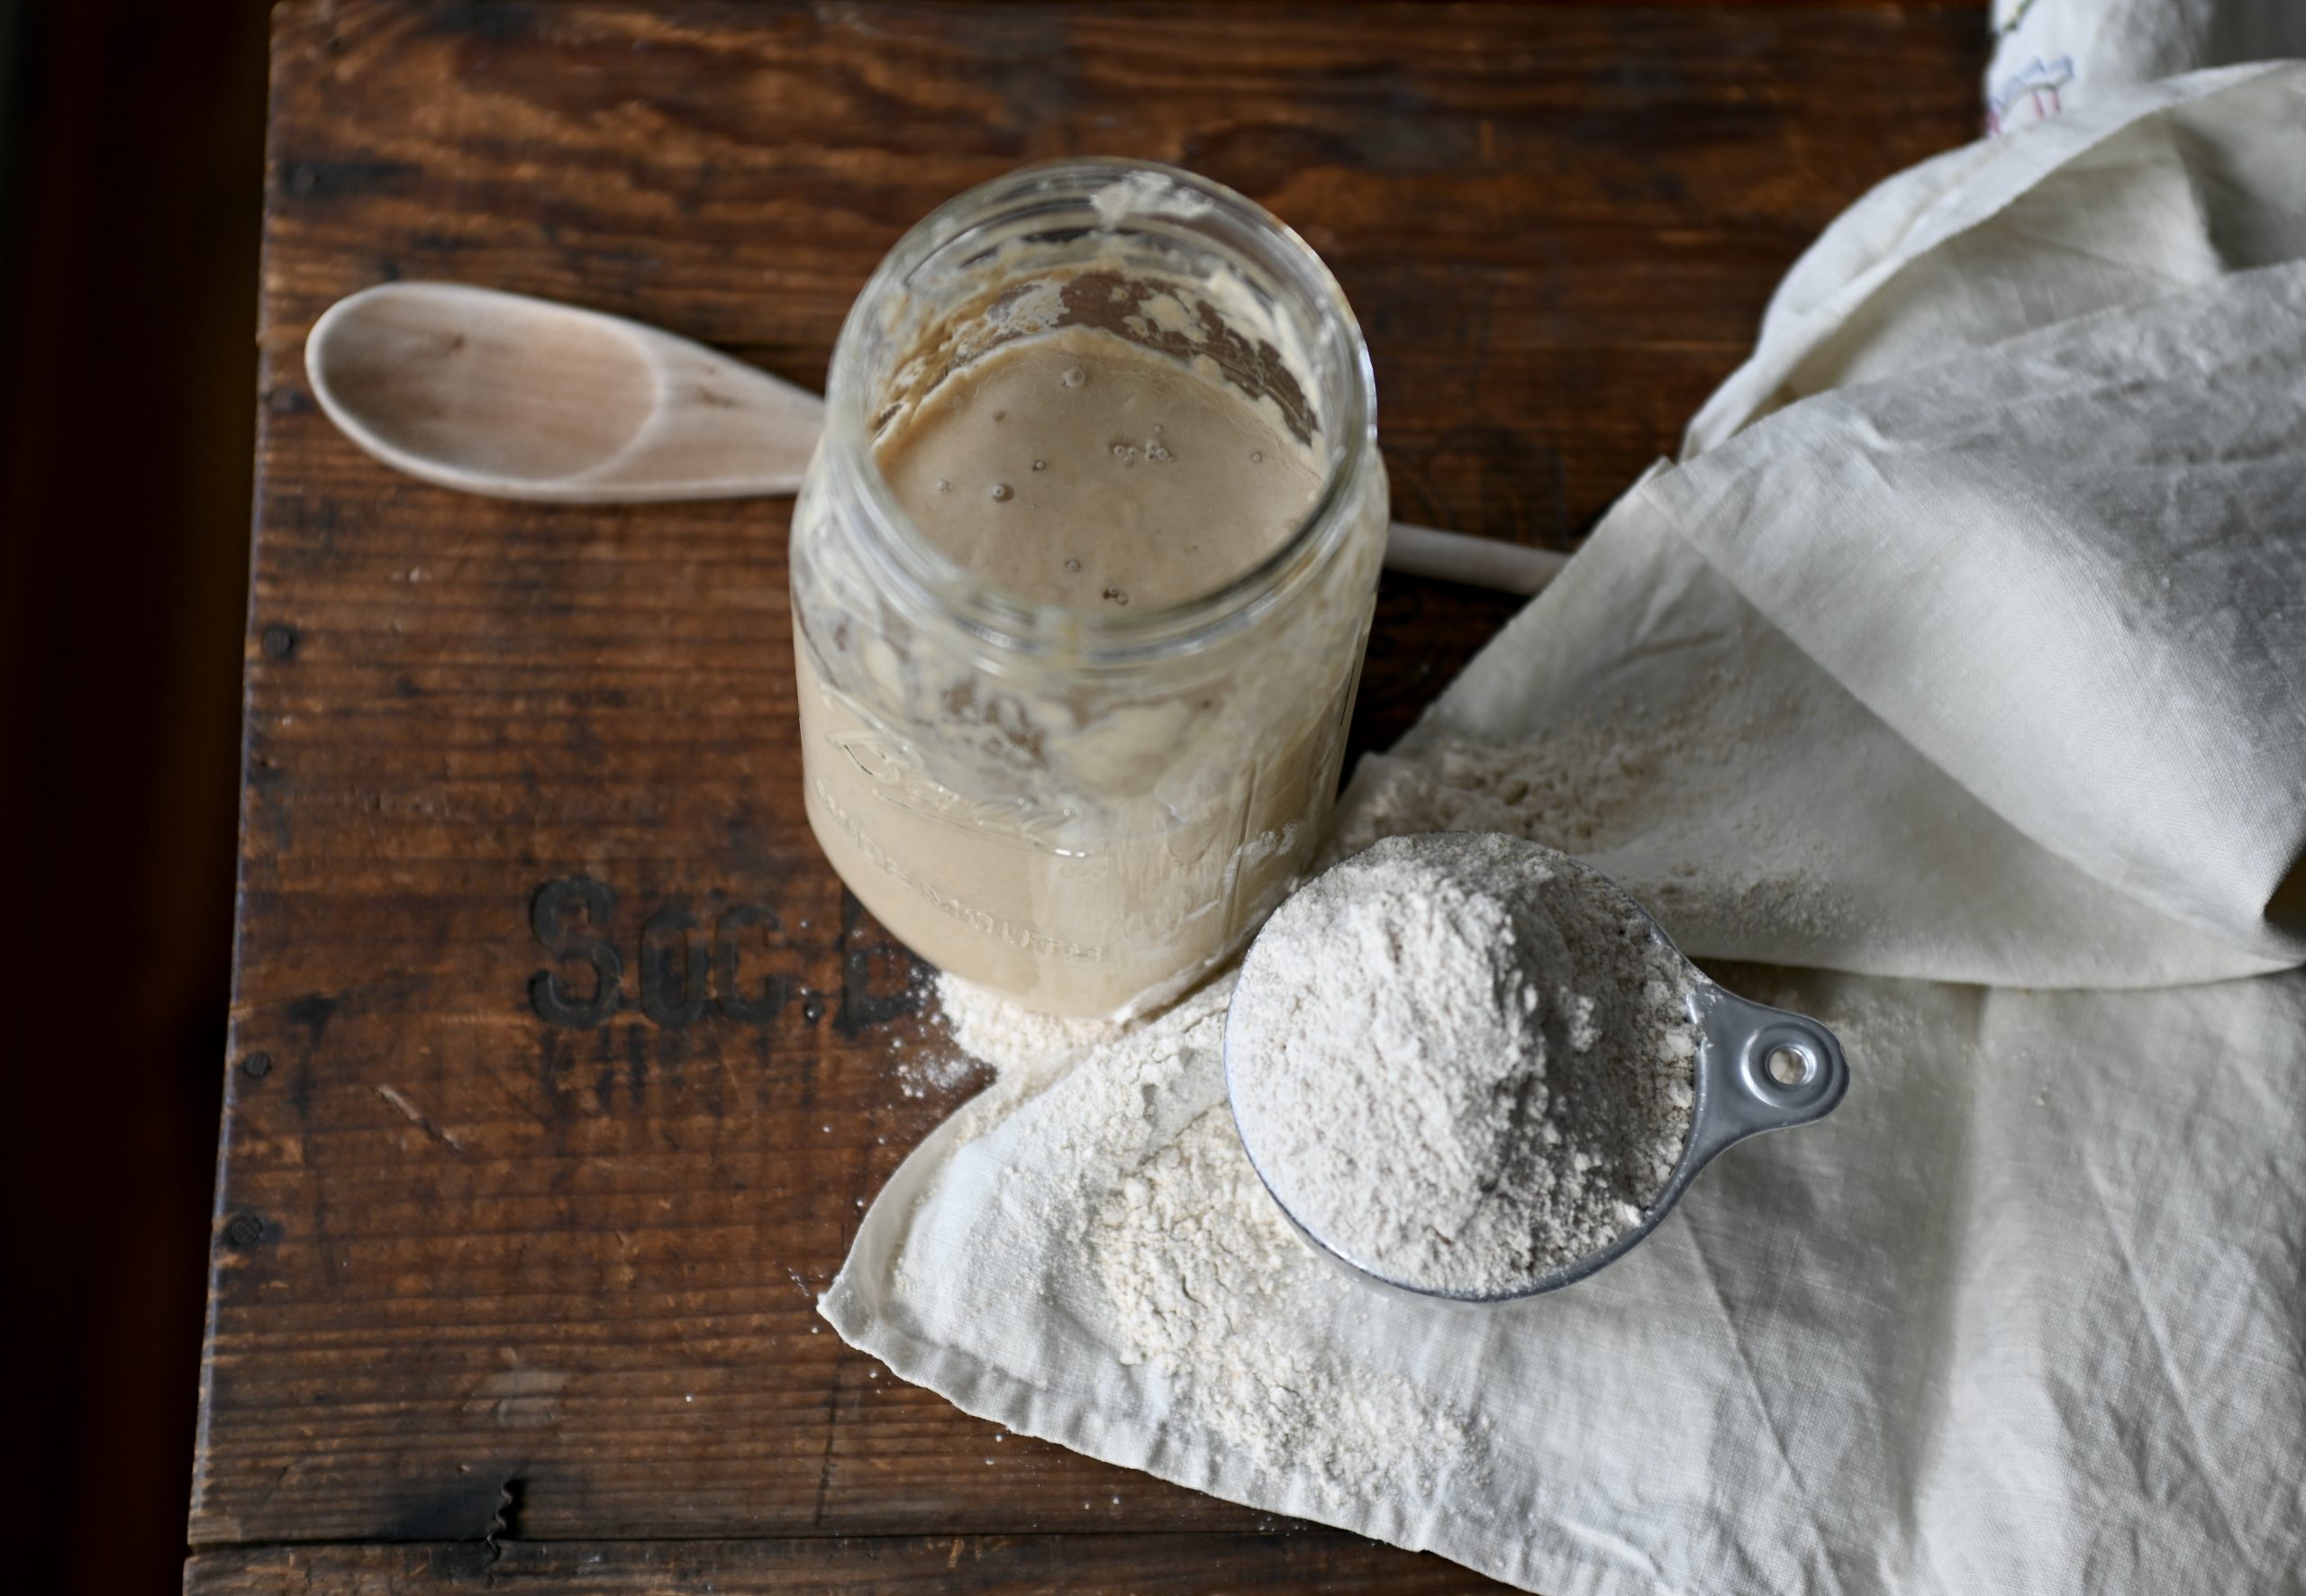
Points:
[(1007, 623)]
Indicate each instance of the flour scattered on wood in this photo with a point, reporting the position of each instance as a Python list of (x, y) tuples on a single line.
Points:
[(932, 1071)]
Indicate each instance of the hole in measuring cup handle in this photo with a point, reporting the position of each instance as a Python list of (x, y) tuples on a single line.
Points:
[(1790, 1066), (1747, 1048)]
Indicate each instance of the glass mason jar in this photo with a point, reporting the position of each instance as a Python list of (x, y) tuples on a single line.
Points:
[(1085, 811)]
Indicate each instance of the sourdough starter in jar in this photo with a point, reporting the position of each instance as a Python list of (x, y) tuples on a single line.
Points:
[(1078, 469), (1080, 603)]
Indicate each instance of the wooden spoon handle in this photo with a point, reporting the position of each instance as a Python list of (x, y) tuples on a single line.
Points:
[(1480, 562)]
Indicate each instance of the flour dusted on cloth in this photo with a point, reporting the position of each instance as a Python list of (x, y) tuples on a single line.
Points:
[(1188, 1247), (1581, 789), (1463, 1061), (1189, 1275), (1208, 1281)]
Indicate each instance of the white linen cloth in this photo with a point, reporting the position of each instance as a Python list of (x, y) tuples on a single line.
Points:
[(1984, 586)]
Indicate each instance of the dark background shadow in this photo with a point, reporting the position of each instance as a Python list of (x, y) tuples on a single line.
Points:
[(130, 182)]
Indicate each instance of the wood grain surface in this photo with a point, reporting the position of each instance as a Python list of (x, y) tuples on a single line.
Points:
[(1103, 1564), (485, 1280)]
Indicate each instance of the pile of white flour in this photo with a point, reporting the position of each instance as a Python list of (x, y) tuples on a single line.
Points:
[(988, 1026), (1187, 1270), (1463, 1061)]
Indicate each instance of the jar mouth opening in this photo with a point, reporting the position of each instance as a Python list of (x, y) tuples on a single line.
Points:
[(1149, 193)]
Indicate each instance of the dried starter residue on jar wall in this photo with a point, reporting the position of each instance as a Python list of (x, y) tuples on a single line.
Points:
[(1119, 277)]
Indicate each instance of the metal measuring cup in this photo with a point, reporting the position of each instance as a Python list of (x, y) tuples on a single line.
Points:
[(1757, 1069)]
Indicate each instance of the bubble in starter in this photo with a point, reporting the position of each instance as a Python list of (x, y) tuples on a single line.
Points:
[(943, 486), (1002, 493), (1040, 465), (1158, 452), (1074, 376), (1117, 595), (1072, 565), (1257, 456)]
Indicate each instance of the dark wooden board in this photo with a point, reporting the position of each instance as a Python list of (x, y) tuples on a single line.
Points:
[(461, 1250), (1103, 1564)]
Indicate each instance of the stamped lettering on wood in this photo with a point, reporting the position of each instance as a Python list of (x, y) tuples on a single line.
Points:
[(682, 969)]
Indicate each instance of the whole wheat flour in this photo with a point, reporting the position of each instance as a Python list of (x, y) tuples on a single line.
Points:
[(1581, 789), (1192, 1276), (1463, 1061), (987, 1027), (1208, 1279)]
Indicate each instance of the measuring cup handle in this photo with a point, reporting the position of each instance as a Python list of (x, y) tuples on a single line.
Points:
[(1760, 1069)]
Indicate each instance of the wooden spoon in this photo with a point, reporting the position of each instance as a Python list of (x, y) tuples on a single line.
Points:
[(522, 398)]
